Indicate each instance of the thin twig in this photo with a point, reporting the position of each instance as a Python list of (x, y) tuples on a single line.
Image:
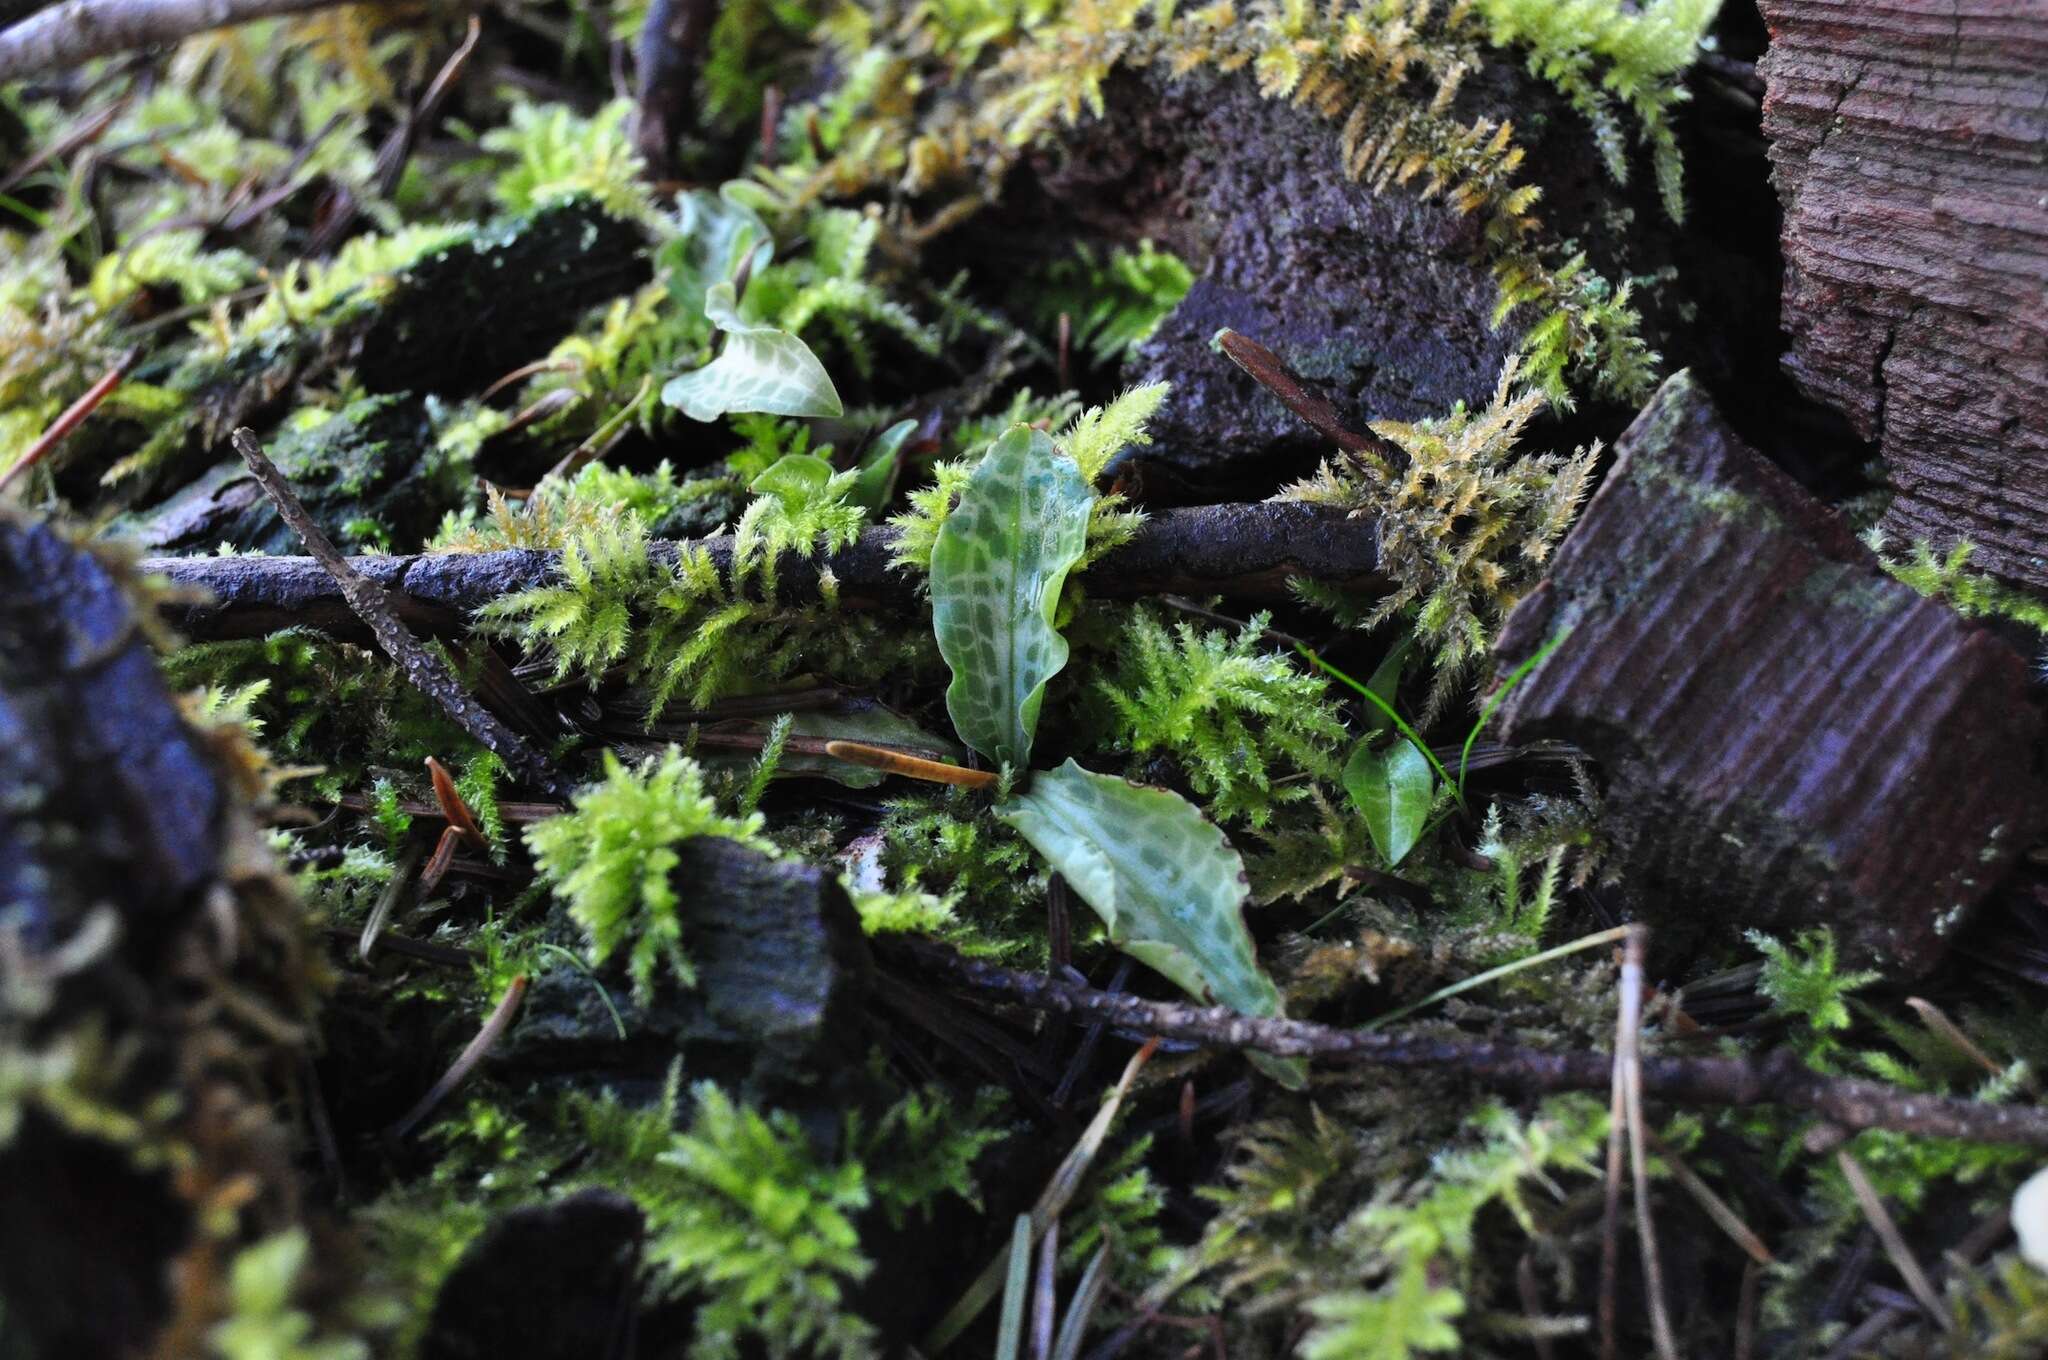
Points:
[(425, 669), (1777, 1078), (673, 37), (1252, 552)]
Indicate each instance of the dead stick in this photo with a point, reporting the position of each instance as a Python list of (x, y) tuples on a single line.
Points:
[(1777, 1078), (1315, 412), (79, 30), (426, 670), (671, 48), (1249, 552)]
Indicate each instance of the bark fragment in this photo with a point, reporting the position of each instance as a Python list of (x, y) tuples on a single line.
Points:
[(782, 969), (1382, 302), (1910, 146), (1791, 738)]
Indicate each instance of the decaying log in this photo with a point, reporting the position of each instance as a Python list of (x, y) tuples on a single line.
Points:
[(1910, 145), (1790, 737), (134, 897), (1382, 301), (781, 972), (1246, 551)]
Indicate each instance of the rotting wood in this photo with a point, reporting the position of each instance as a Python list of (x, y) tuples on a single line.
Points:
[(134, 897), (1247, 551), (1910, 146), (1789, 737)]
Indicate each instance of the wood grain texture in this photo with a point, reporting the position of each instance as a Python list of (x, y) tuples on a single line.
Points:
[(1789, 737), (1910, 151)]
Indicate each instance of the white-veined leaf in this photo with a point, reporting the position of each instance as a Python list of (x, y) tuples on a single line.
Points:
[(1164, 880), (997, 568), (760, 369)]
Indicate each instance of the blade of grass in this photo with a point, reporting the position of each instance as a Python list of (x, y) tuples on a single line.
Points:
[(1400, 723), (1584, 942), (1515, 677), (1058, 1191), (1010, 1331), (603, 993), (1074, 1327)]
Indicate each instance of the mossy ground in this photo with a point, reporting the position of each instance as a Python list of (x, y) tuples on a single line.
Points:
[(422, 379)]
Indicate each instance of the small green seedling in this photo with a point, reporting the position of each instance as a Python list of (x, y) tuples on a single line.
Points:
[(1165, 881)]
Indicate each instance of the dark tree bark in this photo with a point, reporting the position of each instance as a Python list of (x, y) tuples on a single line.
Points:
[(1791, 737), (1910, 141)]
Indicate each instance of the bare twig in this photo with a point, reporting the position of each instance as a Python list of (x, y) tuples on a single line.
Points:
[(1777, 1078), (425, 669), (79, 30)]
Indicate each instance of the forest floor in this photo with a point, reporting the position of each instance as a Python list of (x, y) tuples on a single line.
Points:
[(1020, 677)]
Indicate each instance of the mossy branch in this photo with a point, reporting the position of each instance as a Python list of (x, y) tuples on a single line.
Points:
[(1247, 551), (1776, 1078)]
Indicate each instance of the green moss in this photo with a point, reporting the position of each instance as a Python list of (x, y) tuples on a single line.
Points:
[(612, 857)]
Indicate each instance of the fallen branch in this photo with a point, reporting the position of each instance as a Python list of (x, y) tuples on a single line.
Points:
[(79, 30), (1776, 1078), (673, 37), (427, 672), (1247, 551)]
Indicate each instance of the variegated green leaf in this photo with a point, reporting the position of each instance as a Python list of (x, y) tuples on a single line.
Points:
[(1164, 880), (720, 236), (760, 369), (997, 568)]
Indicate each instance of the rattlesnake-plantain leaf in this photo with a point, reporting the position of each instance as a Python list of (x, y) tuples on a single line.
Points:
[(760, 369), (996, 573), (1163, 879)]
